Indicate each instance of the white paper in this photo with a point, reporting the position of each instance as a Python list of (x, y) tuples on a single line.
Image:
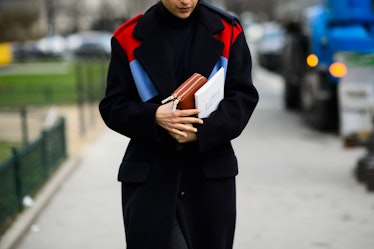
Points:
[(210, 94)]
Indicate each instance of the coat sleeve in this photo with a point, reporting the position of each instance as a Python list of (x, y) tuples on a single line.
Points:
[(240, 100), (121, 107)]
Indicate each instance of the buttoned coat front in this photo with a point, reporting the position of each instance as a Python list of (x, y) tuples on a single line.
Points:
[(161, 178)]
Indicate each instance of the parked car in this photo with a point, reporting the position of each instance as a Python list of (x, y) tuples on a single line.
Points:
[(270, 47), (51, 46), (90, 44), (25, 50)]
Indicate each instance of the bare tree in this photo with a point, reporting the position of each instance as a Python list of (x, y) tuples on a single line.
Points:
[(78, 15), (263, 7), (139, 6), (22, 20)]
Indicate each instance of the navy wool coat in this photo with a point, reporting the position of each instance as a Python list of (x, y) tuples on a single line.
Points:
[(161, 178)]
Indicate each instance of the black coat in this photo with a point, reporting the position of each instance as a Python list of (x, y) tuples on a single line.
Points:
[(161, 177)]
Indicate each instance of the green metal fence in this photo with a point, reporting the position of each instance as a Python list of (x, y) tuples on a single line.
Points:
[(28, 168)]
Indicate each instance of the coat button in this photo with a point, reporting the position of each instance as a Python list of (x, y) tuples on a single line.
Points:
[(182, 195)]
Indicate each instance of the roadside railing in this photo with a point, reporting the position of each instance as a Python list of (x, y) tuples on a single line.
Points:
[(28, 168)]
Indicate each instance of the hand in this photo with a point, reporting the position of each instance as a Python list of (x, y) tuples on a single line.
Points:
[(190, 136), (178, 123)]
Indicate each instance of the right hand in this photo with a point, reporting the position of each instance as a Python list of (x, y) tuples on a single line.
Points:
[(178, 123)]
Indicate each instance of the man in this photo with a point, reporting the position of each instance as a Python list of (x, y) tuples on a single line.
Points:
[(178, 172)]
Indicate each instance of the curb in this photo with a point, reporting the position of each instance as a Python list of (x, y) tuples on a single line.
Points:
[(25, 219)]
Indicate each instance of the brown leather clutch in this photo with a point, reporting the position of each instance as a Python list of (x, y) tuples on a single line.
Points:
[(183, 97)]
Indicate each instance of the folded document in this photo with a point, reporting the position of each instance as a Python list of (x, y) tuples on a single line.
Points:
[(208, 97)]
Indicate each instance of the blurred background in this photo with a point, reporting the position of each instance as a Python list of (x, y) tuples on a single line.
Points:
[(313, 64)]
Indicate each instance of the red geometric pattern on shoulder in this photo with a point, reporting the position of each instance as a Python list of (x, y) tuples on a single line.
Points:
[(225, 35), (124, 36)]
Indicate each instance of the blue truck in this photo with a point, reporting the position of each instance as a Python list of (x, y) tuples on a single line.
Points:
[(327, 42)]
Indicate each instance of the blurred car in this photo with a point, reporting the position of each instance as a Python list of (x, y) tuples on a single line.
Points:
[(270, 47), (51, 46), (90, 44), (25, 50)]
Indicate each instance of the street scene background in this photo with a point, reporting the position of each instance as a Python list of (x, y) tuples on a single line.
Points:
[(296, 186)]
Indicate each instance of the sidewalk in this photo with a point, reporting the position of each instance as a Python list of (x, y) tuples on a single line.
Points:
[(86, 210), (69, 201)]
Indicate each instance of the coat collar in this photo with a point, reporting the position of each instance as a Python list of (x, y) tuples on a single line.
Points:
[(155, 57)]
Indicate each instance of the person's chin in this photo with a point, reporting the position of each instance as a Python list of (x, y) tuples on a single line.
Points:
[(183, 13)]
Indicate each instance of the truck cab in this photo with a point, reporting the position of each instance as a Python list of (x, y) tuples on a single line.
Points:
[(320, 37)]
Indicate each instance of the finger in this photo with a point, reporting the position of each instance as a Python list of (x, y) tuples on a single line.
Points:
[(178, 133), (188, 112), (190, 137), (181, 139), (187, 120), (191, 120), (188, 128), (185, 128)]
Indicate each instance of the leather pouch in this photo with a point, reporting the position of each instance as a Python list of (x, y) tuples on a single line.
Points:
[(183, 97)]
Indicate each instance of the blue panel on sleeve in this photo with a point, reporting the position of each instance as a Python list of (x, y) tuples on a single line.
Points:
[(144, 85)]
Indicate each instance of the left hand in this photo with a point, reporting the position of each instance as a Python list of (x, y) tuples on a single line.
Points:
[(189, 136)]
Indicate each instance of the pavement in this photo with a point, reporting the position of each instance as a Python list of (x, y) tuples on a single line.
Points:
[(85, 210), (81, 191), (295, 190)]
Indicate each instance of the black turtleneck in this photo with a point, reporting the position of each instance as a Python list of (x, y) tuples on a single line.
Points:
[(179, 35)]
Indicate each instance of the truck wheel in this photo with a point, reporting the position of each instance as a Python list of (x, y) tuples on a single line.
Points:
[(291, 96), (318, 101), (292, 70)]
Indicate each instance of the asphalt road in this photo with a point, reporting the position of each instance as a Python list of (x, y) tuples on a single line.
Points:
[(295, 189)]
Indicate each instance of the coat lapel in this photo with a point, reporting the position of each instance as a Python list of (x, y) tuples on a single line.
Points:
[(206, 51), (156, 58)]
